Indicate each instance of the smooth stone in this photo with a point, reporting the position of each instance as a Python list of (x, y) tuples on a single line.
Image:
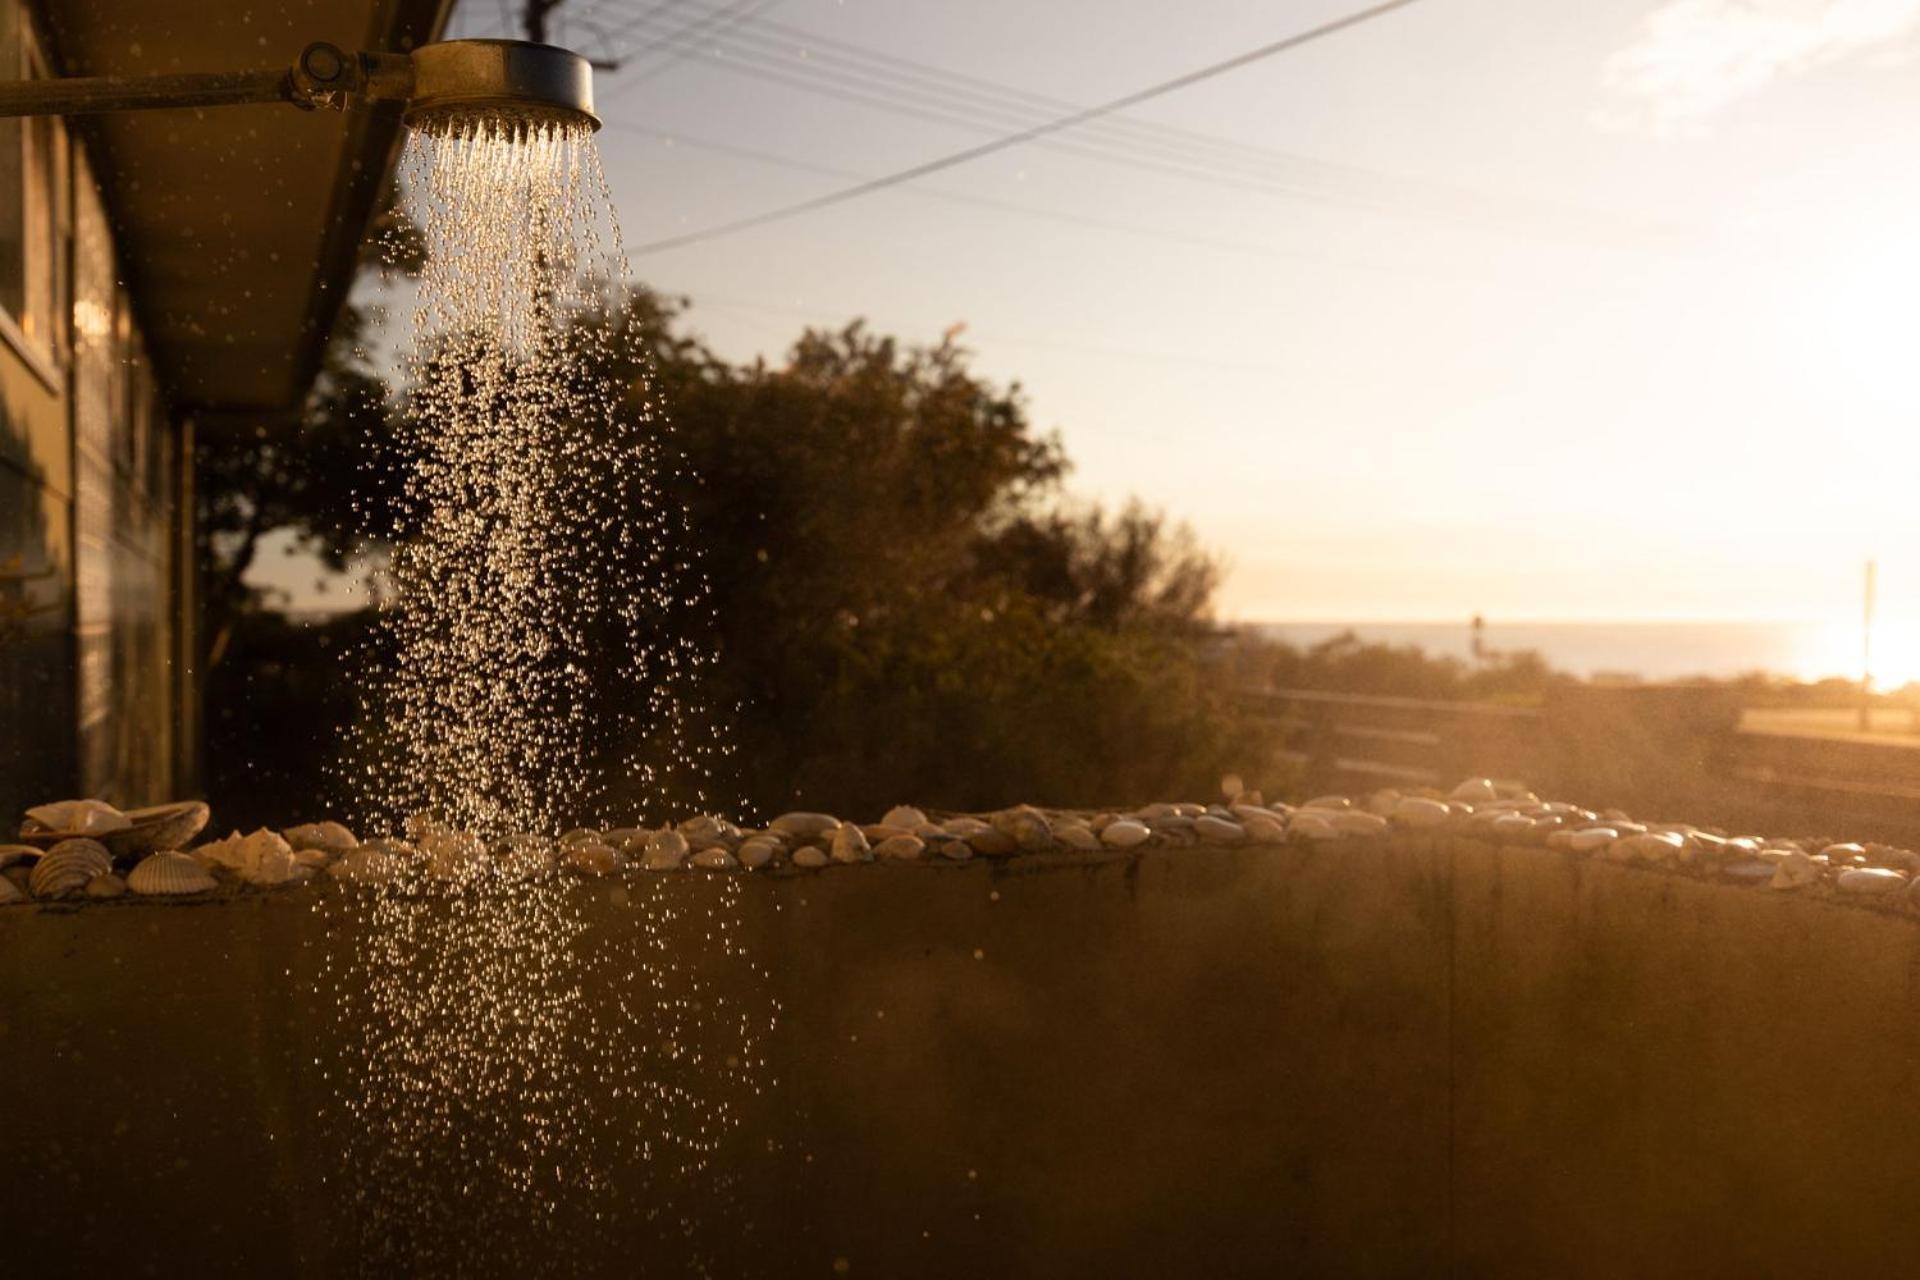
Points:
[(1028, 827), (810, 857), (757, 853), (1419, 812), (1328, 802), (1263, 830), (1561, 840), (905, 816), (993, 843), (850, 845), (900, 848), (593, 857), (964, 826), (804, 826), (1125, 834), (1475, 791), (953, 850), (1748, 871), (1651, 846), (1868, 881), (1248, 812), (328, 837), (1886, 855), (1214, 830), (666, 851), (1592, 838), (713, 858), (1075, 836), (1313, 824), (1843, 852), (1358, 822), (1794, 870)]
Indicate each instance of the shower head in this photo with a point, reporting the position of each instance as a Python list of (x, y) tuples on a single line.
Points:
[(447, 80), (455, 79)]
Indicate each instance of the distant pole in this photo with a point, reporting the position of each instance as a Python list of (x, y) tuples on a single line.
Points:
[(1866, 652)]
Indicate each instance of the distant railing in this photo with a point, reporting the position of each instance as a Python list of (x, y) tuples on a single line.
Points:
[(1673, 750)]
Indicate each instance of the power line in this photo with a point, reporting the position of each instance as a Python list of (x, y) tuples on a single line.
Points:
[(1315, 258), (1029, 134), (709, 23)]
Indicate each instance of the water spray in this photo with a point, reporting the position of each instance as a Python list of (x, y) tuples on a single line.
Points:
[(437, 83)]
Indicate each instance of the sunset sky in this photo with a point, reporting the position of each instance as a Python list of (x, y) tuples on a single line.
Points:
[(1594, 310)]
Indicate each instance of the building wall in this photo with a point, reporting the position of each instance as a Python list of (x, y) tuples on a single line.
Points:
[(93, 664)]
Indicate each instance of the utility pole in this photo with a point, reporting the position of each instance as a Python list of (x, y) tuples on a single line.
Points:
[(1866, 652), (534, 20)]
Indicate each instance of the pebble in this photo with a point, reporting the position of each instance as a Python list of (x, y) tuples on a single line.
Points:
[(757, 852), (1027, 826), (1748, 871), (1794, 870), (1862, 881), (1651, 846), (1328, 802), (713, 858), (808, 856), (1419, 812), (594, 858), (1358, 822), (1214, 830), (1592, 838), (804, 826), (904, 815), (1125, 833), (1264, 830), (993, 843), (1475, 791), (666, 851), (1313, 824), (1074, 835), (850, 845), (954, 850), (899, 848)]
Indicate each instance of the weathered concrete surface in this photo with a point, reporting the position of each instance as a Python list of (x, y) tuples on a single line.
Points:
[(1357, 1059)]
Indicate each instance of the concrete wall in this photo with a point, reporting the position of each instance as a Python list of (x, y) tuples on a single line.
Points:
[(1360, 1059)]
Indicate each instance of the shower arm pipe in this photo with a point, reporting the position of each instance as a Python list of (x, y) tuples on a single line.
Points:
[(324, 76)]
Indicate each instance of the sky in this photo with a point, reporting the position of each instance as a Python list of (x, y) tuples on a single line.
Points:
[(1595, 310)]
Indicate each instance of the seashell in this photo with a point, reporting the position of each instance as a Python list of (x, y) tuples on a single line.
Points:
[(74, 818), (67, 867), (162, 826), (592, 857), (371, 863), (169, 874), (12, 853), (963, 827), (324, 837), (106, 886), (264, 858), (10, 894), (220, 853)]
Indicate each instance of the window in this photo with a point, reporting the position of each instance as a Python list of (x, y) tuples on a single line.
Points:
[(32, 166)]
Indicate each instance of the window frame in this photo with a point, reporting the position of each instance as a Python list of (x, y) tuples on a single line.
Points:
[(47, 361)]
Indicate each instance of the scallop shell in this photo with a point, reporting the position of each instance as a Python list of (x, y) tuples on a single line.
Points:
[(10, 893), (328, 837), (166, 826), (67, 867), (75, 817), (169, 874)]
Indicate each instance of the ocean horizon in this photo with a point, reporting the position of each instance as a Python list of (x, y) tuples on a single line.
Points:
[(1648, 650)]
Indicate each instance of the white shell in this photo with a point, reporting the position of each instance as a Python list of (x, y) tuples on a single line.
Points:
[(327, 837), (67, 867), (369, 864), (264, 858), (79, 816), (169, 874)]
